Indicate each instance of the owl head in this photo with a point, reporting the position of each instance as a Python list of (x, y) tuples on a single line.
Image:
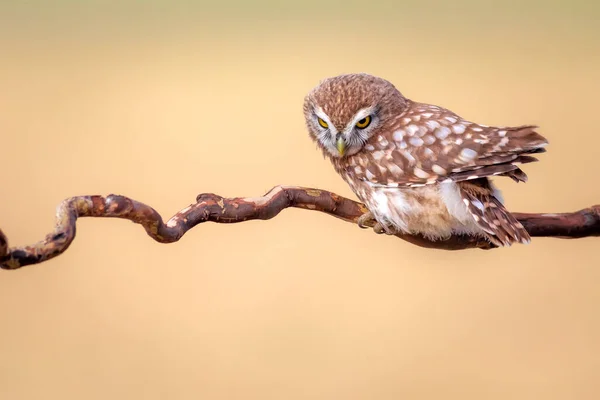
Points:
[(342, 113)]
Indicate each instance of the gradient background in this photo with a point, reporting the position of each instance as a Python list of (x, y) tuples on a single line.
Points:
[(162, 100)]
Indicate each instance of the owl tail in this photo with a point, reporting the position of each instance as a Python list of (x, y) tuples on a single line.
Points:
[(500, 226)]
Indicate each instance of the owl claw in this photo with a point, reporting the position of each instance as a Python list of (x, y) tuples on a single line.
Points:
[(366, 220), (380, 229)]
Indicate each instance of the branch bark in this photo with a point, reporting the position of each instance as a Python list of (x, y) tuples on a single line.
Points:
[(214, 208)]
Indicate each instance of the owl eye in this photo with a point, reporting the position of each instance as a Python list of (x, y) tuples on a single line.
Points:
[(363, 123), (323, 123)]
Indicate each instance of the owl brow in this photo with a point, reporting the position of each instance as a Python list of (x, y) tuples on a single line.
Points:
[(321, 114), (361, 114)]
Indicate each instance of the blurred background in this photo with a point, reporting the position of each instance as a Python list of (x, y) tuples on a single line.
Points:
[(162, 100)]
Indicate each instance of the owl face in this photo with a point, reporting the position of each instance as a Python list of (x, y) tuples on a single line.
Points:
[(342, 113)]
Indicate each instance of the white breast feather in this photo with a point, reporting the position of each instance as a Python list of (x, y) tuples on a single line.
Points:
[(450, 193), (385, 204), (391, 206)]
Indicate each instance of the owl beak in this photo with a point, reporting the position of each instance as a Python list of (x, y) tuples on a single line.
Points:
[(341, 146)]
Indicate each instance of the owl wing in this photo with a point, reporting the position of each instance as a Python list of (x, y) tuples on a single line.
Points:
[(432, 144)]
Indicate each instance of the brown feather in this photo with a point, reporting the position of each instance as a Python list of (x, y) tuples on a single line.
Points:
[(501, 227), (489, 170)]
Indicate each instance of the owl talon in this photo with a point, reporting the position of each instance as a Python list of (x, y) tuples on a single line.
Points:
[(381, 229), (366, 220), (378, 228)]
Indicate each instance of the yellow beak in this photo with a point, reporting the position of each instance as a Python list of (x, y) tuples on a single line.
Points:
[(341, 146)]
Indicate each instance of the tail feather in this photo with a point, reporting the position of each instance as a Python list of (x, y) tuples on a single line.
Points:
[(517, 175), (525, 138)]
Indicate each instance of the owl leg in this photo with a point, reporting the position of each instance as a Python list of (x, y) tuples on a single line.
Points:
[(368, 219)]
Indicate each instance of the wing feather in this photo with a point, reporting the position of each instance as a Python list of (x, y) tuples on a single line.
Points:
[(501, 227), (430, 144)]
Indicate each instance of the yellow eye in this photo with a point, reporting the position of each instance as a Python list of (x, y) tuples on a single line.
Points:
[(323, 123), (363, 123)]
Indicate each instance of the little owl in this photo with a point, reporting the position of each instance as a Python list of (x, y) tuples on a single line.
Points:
[(419, 168)]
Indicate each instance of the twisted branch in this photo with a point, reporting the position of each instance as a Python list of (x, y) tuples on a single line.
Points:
[(211, 207)]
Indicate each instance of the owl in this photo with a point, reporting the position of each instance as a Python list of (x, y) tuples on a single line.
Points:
[(419, 168)]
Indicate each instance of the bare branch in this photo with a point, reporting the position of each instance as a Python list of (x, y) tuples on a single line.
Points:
[(211, 207)]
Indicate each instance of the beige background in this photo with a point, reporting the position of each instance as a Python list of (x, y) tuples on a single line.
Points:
[(163, 100)]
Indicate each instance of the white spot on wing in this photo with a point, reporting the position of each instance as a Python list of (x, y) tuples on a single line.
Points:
[(452, 120), (442, 132), (431, 124), (416, 141), (377, 155), (428, 139), (419, 173), (438, 170), (412, 129), (458, 128), (398, 135), (467, 154), (500, 144)]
